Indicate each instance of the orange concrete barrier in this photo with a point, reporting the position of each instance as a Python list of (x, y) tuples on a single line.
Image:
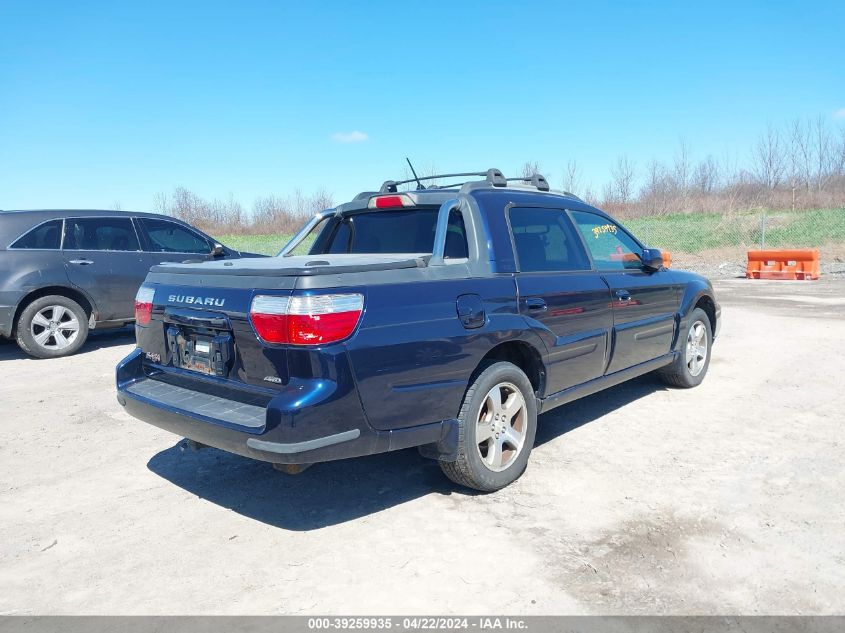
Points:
[(783, 264)]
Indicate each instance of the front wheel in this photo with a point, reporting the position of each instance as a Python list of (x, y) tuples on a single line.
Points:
[(496, 429), (693, 360), (52, 326)]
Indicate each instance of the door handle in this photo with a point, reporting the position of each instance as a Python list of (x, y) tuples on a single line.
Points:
[(623, 295), (81, 262), (535, 304)]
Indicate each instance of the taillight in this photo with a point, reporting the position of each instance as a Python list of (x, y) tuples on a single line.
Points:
[(390, 202), (306, 320), (144, 305)]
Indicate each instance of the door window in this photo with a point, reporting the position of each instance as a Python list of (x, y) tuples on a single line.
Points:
[(610, 246), (100, 234), (45, 236), (169, 237), (545, 241)]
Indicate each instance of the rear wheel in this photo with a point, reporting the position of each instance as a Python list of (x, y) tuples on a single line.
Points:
[(52, 326), (496, 429), (690, 367)]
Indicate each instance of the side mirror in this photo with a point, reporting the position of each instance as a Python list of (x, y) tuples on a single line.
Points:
[(652, 258), (217, 250)]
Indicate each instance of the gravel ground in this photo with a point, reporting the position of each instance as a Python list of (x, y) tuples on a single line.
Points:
[(724, 499)]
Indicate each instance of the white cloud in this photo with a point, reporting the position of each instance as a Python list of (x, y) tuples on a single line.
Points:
[(349, 137), (839, 114)]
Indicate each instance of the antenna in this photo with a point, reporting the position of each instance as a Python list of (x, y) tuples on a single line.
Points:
[(420, 186)]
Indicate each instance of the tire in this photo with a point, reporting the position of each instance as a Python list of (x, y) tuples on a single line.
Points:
[(41, 335), (690, 367), (511, 436)]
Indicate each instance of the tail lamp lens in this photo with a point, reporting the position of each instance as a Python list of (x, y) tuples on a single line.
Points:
[(144, 305), (307, 320)]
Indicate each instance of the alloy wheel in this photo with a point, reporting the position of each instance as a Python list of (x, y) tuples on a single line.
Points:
[(696, 350), (501, 426), (54, 327)]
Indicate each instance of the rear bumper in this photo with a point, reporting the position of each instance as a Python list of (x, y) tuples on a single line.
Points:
[(332, 426)]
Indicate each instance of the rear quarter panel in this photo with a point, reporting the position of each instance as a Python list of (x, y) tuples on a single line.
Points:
[(412, 357), (22, 272)]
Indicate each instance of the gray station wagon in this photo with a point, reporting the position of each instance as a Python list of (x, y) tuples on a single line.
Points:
[(65, 272)]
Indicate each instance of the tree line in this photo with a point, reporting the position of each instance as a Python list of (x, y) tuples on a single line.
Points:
[(269, 214), (800, 165)]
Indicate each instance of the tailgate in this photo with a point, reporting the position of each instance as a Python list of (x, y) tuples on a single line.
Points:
[(202, 332)]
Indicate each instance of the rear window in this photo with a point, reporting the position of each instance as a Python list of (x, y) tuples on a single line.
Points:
[(47, 236), (401, 231)]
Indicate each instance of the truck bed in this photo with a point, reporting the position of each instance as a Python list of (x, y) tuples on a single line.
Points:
[(298, 265)]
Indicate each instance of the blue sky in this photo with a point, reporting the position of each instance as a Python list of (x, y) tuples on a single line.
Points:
[(116, 101)]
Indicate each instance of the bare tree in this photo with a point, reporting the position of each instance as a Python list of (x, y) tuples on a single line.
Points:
[(705, 178), (571, 176), (768, 160), (801, 153), (682, 167), (657, 188), (622, 186), (822, 151), (530, 168), (160, 203)]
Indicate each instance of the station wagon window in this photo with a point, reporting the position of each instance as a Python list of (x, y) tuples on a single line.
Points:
[(545, 241), (100, 234), (610, 246), (169, 237), (47, 236)]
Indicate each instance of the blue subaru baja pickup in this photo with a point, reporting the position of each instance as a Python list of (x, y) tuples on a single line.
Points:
[(446, 318)]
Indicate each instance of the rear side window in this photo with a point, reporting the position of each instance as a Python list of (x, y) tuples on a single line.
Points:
[(169, 237), (609, 244), (100, 234), (456, 237), (47, 236), (545, 241)]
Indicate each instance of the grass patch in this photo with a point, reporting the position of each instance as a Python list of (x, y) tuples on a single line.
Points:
[(267, 244), (694, 232)]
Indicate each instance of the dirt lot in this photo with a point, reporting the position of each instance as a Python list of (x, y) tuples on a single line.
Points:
[(725, 499)]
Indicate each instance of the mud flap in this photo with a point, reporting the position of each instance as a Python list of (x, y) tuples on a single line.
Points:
[(446, 448)]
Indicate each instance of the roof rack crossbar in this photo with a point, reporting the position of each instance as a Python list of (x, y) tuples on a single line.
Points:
[(389, 186), (492, 177)]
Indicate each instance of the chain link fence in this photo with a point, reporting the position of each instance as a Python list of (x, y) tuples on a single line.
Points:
[(716, 244)]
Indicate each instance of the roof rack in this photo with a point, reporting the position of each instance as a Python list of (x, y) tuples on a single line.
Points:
[(492, 177)]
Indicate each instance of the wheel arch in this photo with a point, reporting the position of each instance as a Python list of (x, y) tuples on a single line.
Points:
[(708, 305), (71, 293), (523, 355)]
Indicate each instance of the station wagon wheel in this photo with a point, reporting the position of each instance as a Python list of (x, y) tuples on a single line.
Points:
[(497, 424), (500, 429), (52, 326)]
